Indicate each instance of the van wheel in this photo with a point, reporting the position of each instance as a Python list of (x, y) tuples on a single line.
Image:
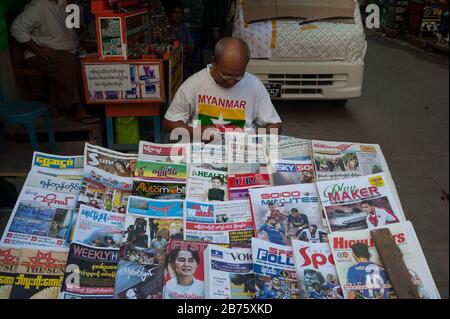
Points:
[(340, 103)]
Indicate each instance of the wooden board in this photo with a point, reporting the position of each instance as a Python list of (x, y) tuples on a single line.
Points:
[(395, 266)]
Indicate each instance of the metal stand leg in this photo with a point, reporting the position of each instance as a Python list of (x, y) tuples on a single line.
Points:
[(32, 135), (109, 132), (50, 133)]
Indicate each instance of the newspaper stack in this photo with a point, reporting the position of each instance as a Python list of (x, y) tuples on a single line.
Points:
[(288, 220)]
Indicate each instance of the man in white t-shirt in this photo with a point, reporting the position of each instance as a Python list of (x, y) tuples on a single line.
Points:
[(223, 96), (377, 217)]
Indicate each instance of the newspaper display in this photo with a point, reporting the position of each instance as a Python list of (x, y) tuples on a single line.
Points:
[(53, 184), (31, 273), (291, 148), (359, 203), (284, 213), (164, 153), (99, 228), (239, 185), (361, 272), (274, 269), (218, 223), (90, 272), (39, 218), (229, 273), (316, 271), (140, 275), (158, 190), (185, 282), (340, 160), (207, 185), (287, 172), (64, 167), (151, 224)]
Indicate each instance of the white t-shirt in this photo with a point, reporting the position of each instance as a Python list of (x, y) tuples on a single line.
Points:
[(173, 290), (246, 105)]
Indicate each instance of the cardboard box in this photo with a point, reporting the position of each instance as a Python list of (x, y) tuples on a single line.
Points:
[(304, 10)]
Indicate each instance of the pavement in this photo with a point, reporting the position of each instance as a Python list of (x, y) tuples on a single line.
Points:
[(405, 109)]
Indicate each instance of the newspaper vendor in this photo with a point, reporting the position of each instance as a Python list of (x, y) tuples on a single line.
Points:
[(223, 96)]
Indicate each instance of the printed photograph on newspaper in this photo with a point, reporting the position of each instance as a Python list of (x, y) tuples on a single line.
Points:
[(361, 272), (286, 172), (285, 213), (316, 271), (274, 269), (229, 273), (207, 185), (359, 203), (339, 160), (219, 222)]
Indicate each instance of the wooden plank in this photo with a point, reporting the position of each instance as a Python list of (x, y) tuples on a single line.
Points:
[(395, 266)]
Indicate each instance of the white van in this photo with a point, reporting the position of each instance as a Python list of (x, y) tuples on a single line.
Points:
[(312, 61)]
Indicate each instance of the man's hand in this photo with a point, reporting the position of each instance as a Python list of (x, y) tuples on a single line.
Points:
[(45, 52)]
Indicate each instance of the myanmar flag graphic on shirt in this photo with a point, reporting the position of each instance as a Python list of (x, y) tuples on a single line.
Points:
[(224, 113)]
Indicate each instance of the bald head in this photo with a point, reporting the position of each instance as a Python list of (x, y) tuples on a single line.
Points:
[(229, 62), (232, 50)]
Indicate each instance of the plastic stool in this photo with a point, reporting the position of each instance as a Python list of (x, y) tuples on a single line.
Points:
[(25, 112)]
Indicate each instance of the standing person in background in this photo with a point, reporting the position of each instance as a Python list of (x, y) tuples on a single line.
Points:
[(53, 49), (180, 32)]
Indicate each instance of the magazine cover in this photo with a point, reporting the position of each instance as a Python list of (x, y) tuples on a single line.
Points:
[(164, 153), (185, 275), (9, 261), (90, 272), (359, 203), (140, 274), (274, 269), (39, 218), (113, 163), (219, 222), (316, 271), (151, 224), (207, 185), (286, 172), (240, 184), (99, 228), (53, 184), (284, 213), (290, 148), (161, 172), (65, 167), (39, 273), (158, 190), (361, 272), (229, 273), (339, 160)]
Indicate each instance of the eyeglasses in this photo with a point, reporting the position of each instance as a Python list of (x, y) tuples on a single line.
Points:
[(228, 77)]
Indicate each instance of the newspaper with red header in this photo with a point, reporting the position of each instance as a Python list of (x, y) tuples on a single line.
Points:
[(363, 276), (166, 153), (359, 203), (218, 222), (316, 271), (31, 273), (274, 269), (340, 160), (40, 218), (239, 185), (229, 273)]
